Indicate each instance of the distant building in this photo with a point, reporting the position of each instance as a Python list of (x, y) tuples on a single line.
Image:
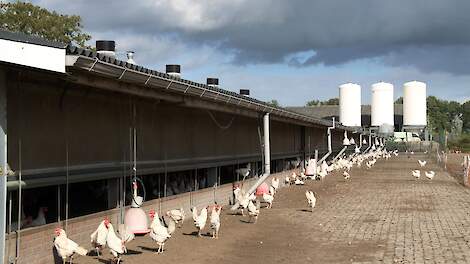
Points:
[(329, 111)]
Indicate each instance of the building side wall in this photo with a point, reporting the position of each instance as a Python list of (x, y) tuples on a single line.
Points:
[(36, 244)]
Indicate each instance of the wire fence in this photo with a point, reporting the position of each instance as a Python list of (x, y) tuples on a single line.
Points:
[(456, 164)]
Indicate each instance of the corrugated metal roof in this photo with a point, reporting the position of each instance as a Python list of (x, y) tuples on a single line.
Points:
[(30, 39), (73, 50), (323, 111)]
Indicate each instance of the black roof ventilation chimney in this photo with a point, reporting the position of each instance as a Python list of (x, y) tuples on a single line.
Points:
[(173, 70), (106, 47), (245, 92), (213, 82)]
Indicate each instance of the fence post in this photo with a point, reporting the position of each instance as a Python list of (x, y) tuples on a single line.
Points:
[(445, 161), (466, 170)]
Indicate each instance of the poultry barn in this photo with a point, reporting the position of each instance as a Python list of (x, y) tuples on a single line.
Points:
[(79, 126)]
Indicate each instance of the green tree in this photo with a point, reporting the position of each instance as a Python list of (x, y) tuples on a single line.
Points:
[(399, 100), (35, 20), (466, 116), (332, 101), (441, 113), (274, 103), (313, 103)]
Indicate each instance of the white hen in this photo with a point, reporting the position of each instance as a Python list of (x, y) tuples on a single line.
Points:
[(430, 175), (115, 244), (268, 198), (65, 247), (346, 175), (416, 173), (98, 238), (322, 174), (253, 211), (158, 232), (275, 183), (199, 220), (215, 220), (177, 215), (170, 225), (299, 182), (244, 199), (311, 199), (40, 218), (422, 163), (125, 234)]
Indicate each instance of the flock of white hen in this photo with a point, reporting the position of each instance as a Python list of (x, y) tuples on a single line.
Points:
[(161, 229), (417, 173)]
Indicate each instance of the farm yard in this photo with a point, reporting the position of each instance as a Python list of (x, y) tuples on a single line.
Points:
[(110, 153), (380, 215)]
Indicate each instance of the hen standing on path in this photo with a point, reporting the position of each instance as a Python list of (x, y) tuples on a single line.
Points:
[(416, 174), (98, 238), (430, 175), (158, 232), (253, 211), (177, 215), (65, 247), (199, 220), (215, 220), (115, 244), (311, 199)]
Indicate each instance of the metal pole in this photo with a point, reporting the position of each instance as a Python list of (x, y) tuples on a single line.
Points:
[(330, 150), (3, 163), (267, 154), (10, 202), (58, 203), (66, 184), (165, 181), (339, 154), (19, 202), (134, 143), (195, 180), (309, 147)]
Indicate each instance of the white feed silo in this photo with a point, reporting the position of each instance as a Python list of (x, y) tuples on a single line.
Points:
[(414, 104), (382, 112), (350, 104)]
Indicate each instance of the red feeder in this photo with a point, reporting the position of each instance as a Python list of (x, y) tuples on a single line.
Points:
[(262, 189)]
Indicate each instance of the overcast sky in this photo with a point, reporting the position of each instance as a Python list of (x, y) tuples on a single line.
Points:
[(292, 51)]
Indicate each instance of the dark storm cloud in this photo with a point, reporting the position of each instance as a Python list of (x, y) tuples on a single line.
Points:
[(428, 34)]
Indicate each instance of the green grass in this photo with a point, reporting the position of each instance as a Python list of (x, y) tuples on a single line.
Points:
[(462, 143)]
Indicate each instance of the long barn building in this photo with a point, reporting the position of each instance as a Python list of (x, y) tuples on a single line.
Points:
[(76, 123)]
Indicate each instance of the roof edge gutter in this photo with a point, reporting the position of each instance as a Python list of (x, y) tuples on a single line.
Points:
[(90, 64)]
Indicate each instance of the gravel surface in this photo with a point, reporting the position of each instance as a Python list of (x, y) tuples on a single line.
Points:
[(382, 215)]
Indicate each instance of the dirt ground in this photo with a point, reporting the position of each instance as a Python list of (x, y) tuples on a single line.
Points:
[(381, 215)]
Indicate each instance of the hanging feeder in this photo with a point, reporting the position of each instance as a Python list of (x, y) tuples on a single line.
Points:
[(311, 167), (262, 189), (346, 140), (135, 218)]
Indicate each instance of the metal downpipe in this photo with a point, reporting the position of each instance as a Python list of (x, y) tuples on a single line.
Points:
[(267, 159), (330, 150)]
